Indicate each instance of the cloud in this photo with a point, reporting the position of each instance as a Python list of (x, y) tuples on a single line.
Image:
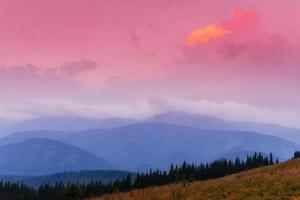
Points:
[(249, 64), (67, 107), (71, 69), (21, 70), (205, 34), (68, 69), (228, 110), (244, 39), (9, 115), (28, 75), (136, 40), (76, 67), (242, 21), (23, 81)]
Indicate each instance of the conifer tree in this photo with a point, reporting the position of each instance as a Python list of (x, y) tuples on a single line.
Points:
[(72, 192)]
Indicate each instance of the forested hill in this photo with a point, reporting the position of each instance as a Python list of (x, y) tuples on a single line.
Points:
[(182, 173), (279, 181), (81, 177)]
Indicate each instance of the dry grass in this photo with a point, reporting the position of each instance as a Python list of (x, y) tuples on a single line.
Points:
[(281, 181)]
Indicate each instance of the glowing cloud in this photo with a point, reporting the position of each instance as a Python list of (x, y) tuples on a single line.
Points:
[(205, 34)]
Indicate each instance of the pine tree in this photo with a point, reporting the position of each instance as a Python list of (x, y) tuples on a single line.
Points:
[(271, 159), (73, 192), (296, 154)]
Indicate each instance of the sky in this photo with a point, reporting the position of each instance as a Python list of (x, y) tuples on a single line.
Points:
[(233, 59)]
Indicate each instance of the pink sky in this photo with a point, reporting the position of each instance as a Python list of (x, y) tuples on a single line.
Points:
[(126, 52)]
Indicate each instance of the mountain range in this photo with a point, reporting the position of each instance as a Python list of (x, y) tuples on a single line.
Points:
[(155, 145), (69, 124), (59, 123), (131, 145), (141, 146)]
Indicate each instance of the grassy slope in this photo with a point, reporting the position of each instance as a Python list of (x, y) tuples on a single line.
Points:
[(281, 181)]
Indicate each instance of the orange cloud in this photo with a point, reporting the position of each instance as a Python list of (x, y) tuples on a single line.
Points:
[(205, 34)]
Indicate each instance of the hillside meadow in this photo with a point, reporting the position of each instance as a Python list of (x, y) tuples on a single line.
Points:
[(280, 181)]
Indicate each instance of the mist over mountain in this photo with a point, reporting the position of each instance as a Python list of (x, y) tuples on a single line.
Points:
[(59, 123), (193, 120), (73, 124), (208, 122)]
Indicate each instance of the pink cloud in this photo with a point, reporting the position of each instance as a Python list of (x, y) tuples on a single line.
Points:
[(21, 81), (242, 20), (140, 46), (249, 64), (74, 68), (247, 41)]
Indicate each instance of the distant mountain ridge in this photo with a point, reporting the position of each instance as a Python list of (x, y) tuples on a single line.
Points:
[(167, 138), (213, 123), (38, 156), (155, 145), (192, 120), (73, 124), (59, 123), (26, 135)]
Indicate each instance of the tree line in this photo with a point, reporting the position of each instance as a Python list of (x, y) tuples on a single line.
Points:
[(176, 173)]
